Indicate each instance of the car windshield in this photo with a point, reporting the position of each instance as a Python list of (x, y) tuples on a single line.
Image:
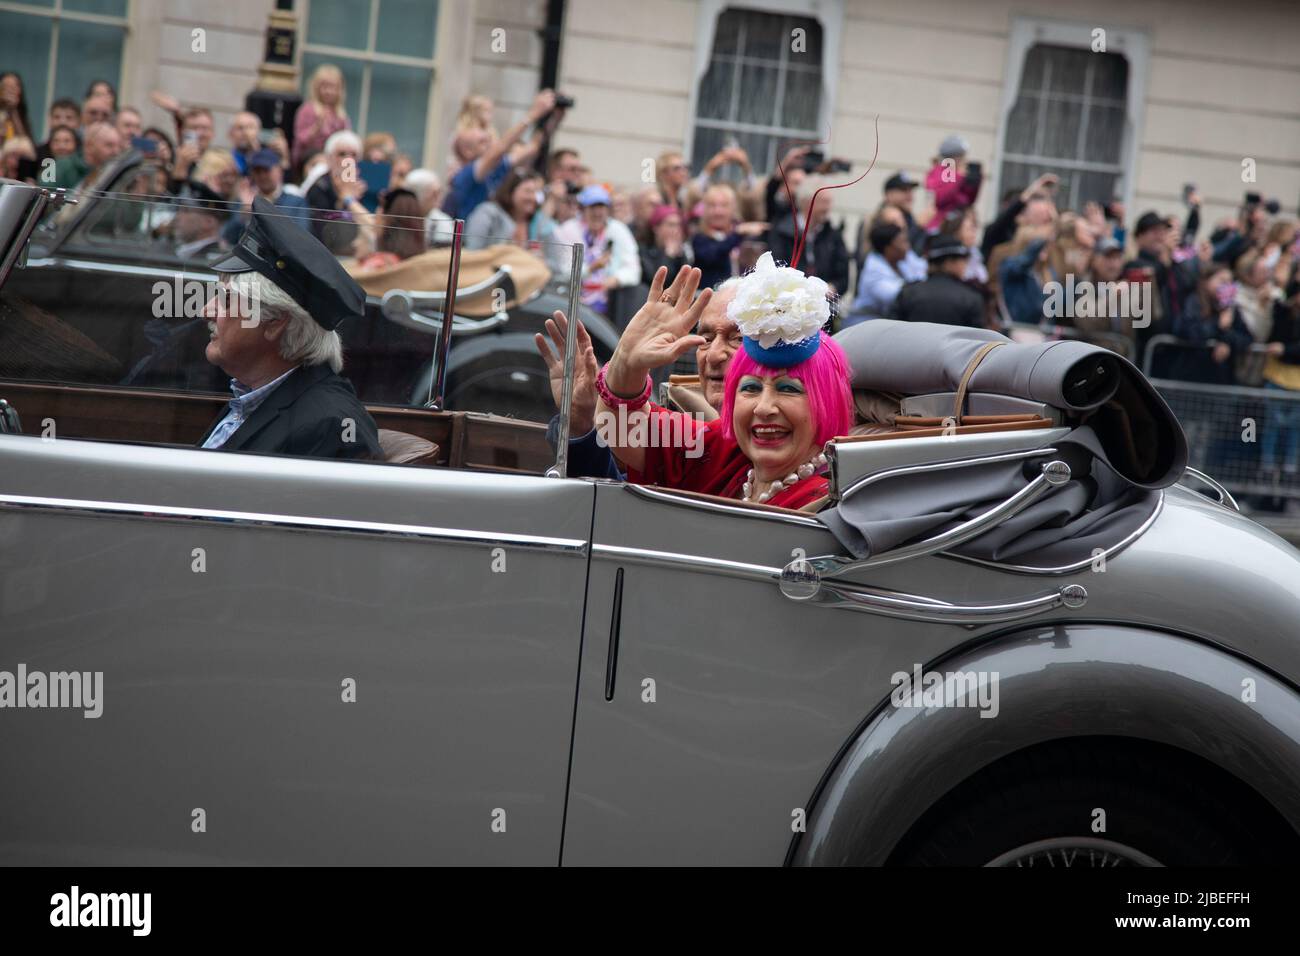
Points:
[(114, 290)]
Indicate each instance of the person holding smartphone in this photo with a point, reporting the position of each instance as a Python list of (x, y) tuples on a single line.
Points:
[(1212, 321)]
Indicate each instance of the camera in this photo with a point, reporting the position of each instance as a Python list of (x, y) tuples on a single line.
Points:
[(563, 102)]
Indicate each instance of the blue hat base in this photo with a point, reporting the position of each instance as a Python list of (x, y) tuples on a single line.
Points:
[(784, 355)]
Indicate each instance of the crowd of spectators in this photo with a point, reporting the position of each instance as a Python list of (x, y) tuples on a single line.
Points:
[(1225, 303)]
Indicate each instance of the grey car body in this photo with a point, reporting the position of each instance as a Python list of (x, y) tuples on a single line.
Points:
[(562, 670)]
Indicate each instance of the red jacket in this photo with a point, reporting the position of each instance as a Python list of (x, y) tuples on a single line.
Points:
[(949, 195)]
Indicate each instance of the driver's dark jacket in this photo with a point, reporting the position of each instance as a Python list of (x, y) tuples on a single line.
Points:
[(305, 415)]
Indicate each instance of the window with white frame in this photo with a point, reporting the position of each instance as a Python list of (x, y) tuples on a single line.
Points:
[(1069, 118), (762, 88), (385, 50), (60, 47)]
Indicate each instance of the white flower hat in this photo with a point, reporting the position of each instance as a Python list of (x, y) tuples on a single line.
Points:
[(780, 312)]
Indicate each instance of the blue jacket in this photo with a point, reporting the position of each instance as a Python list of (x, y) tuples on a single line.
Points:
[(1022, 291), (879, 285), (588, 458)]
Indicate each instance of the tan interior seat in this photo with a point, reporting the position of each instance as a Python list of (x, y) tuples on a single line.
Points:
[(403, 448)]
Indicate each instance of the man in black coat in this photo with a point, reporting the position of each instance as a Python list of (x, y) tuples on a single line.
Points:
[(943, 297), (273, 331)]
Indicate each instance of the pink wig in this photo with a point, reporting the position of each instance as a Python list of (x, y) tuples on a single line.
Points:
[(825, 376)]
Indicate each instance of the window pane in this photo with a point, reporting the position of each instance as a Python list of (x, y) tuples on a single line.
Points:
[(110, 8), (87, 52), (1061, 130), (1022, 126), (1110, 77), (812, 41), (757, 95), (760, 147), (1105, 134), (25, 49), (715, 91), (1017, 175), (1096, 187), (726, 32), (407, 27), (1067, 70), (351, 70), (344, 23), (802, 98), (707, 142), (1033, 72), (765, 35), (399, 103)]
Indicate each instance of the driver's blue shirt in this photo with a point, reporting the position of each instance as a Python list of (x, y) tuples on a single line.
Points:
[(241, 406)]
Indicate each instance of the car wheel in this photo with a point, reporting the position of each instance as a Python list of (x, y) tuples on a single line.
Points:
[(1098, 803)]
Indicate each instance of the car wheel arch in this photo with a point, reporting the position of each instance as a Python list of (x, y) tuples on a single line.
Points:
[(1056, 683)]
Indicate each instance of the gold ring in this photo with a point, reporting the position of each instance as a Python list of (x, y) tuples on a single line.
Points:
[(667, 298)]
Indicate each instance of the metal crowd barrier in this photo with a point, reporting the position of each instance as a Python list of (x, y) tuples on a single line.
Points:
[(1247, 437)]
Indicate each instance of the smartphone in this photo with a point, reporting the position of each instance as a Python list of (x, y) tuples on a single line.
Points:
[(266, 137), (190, 138), (142, 144), (1188, 189), (376, 176), (1253, 199), (813, 159), (973, 168)]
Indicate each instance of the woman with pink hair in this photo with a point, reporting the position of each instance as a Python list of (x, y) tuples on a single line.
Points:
[(787, 391)]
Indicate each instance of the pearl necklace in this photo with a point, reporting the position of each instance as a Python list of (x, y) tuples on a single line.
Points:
[(806, 470)]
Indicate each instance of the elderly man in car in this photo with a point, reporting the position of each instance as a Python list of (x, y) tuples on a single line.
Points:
[(588, 457), (273, 326)]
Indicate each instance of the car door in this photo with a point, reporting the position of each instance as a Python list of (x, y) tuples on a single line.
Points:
[(302, 661), (711, 705)]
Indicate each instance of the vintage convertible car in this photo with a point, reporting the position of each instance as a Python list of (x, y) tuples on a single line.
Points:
[(96, 265), (1010, 636)]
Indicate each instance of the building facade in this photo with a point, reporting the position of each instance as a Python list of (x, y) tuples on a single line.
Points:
[(1128, 98)]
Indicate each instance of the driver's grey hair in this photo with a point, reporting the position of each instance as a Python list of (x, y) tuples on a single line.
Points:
[(303, 341)]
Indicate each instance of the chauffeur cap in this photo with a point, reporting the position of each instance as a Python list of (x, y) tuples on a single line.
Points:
[(283, 251)]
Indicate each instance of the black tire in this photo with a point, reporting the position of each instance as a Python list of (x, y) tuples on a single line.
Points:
[(1036, 808)]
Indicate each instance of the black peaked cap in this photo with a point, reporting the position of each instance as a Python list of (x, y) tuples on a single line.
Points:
[(296, 261)]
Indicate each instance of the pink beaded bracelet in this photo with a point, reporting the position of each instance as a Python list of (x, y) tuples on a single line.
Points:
[(612, 400)]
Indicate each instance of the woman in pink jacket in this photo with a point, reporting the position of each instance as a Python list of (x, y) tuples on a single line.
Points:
[(323, 115), (953, 181)]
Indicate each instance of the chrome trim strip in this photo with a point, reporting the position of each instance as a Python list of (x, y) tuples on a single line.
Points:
[(736, 510), (907, 606), (1078, 565), (944, 466), (576, 546), (912, 607), (731, 569), (1225, 497), (112, 268)]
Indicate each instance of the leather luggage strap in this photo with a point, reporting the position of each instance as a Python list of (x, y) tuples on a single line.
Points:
[(959, 404)]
